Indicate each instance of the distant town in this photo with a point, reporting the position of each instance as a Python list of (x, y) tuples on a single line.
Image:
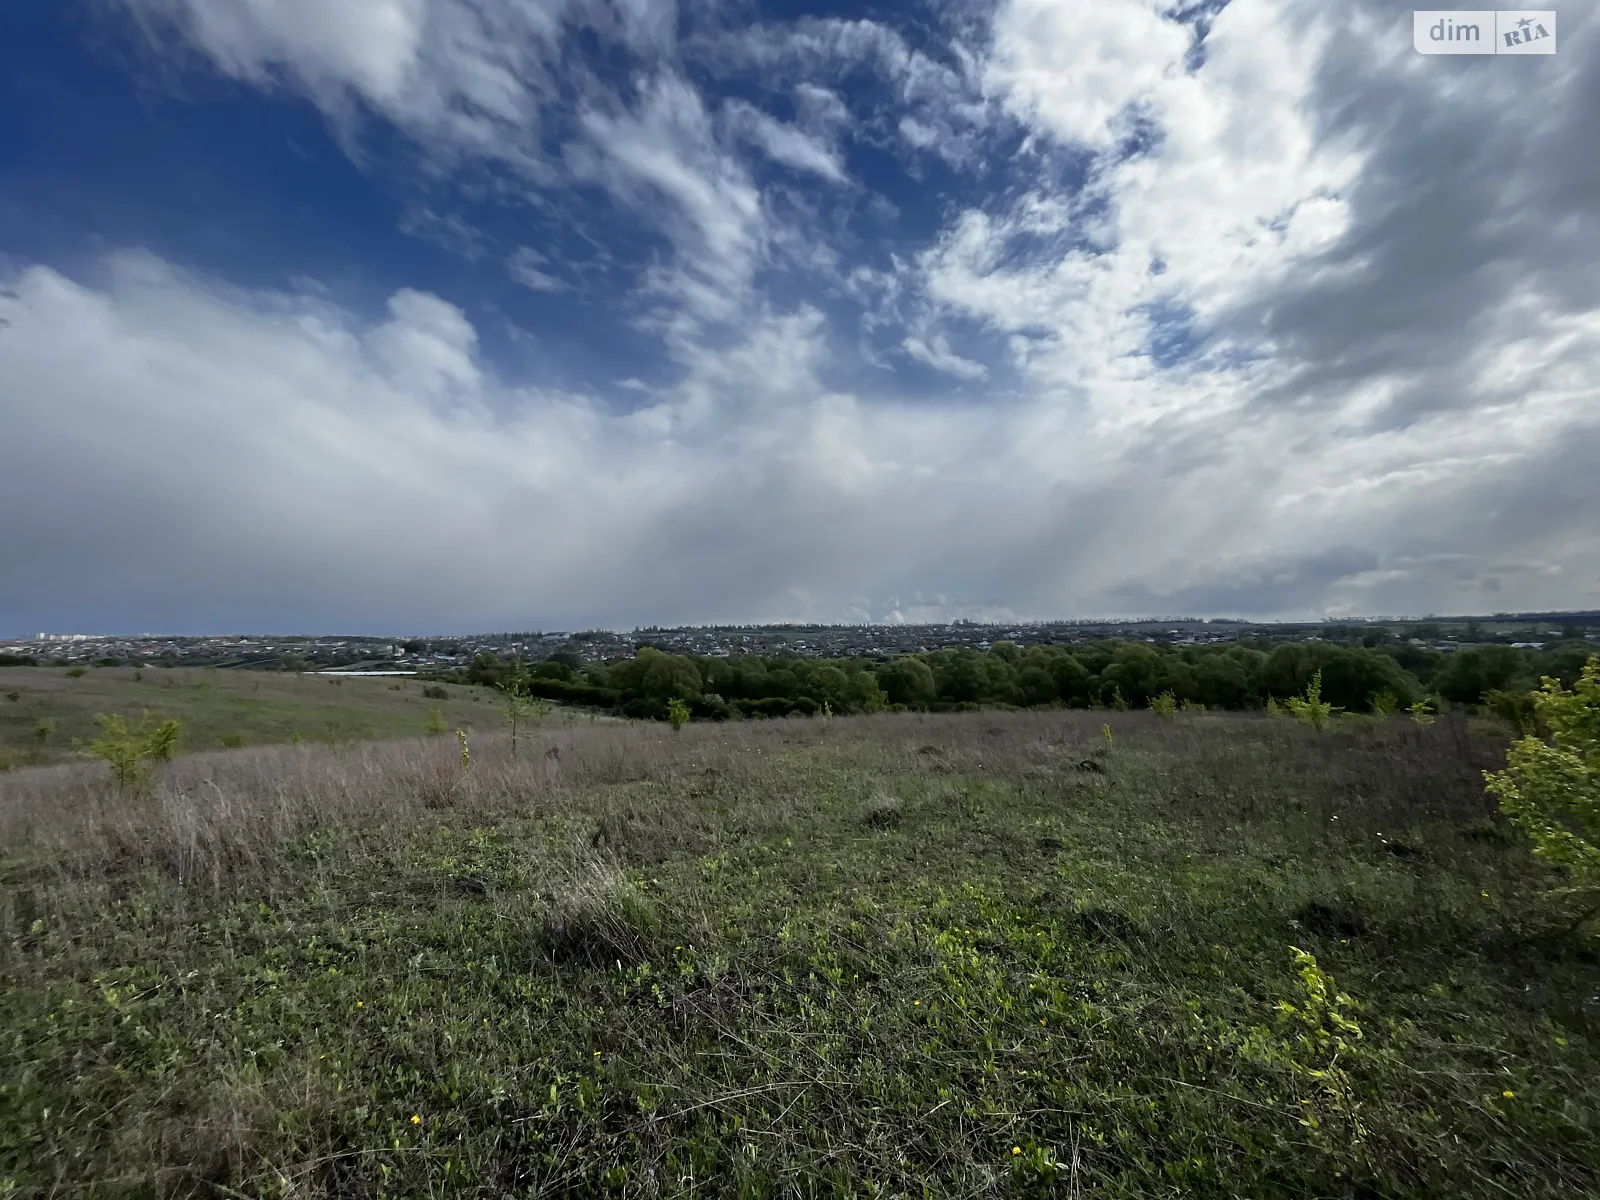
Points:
[(422, 654)]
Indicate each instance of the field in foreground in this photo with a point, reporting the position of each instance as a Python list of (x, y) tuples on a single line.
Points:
[(964, 955)]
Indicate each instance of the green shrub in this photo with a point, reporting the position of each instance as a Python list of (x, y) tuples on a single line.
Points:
[(233, 740), (677, 713), (1385, 704), (1516, 709), (128, 752), (1551, 790), (77, 672), (434, 692), (436, 723), (42, 731), (1310, 709), (1164, 705)]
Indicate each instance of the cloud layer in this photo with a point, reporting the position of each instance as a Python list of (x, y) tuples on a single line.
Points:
[(1043, 310)]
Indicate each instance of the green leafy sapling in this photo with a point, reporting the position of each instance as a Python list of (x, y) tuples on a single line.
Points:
[(677, 714), (1551, 790), (1311, 709)]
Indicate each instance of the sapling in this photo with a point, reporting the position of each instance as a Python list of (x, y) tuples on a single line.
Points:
[(1551, 790)]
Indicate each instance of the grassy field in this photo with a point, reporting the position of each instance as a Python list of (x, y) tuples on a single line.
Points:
[(220, 708), (965, 955)]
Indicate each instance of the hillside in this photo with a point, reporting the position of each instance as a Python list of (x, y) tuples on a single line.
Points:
[(894, 955)]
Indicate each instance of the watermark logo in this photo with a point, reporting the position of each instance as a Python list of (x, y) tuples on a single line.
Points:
[(1484, 31)]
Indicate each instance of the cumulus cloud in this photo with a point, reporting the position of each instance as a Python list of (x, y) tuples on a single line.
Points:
[(1286, 323)]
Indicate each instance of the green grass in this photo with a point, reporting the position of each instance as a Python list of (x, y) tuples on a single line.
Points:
[(224, 708), (966, 955)]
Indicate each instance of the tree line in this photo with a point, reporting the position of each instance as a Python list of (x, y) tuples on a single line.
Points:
[(1098, 674)]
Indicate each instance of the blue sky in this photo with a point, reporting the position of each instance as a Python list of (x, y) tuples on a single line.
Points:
[(415, 315)]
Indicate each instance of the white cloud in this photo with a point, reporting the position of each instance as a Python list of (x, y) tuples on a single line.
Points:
[(313, 462), (664, 148), (373, 46), (310, 459), (526, 265), (940, 357), (784, 143), (1073, 66)]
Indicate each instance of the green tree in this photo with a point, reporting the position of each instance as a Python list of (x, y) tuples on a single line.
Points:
[(1477, 670), (514, 684), (1006, 651), (1074, 684), (128, 752), (1311, 709), (670, 676), (1037, 685), (1551, 790), (908, 681), (436, 723), (677, 714)]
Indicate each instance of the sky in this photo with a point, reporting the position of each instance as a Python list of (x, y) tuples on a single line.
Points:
[(412, 316)]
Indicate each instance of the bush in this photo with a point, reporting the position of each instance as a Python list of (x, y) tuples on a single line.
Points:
[(1311, 709), (677, 714), (1515, 708), (129, 752), (1551, 791), (77, 672), (434, 692), (436, 723)]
